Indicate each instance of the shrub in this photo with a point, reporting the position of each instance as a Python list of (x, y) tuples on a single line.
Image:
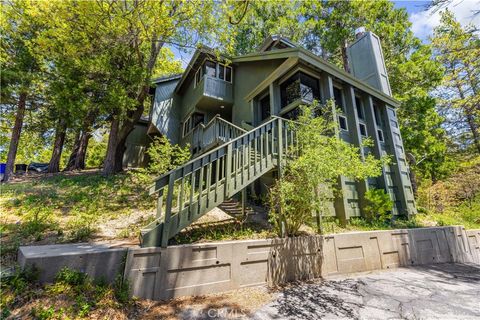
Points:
[(378, 205), (71, 277), (313, 166), (164, 156)]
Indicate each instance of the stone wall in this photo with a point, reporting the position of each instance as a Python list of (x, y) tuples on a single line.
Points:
[(157, 273)]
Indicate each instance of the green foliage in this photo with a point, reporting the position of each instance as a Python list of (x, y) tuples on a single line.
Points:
[(121, 289), (96, 152), (308, 182), (222, 231), (457, 48), (378, 205), (164, 156), (70, 277)]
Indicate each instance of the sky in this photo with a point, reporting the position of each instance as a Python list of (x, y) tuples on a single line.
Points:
[(423, 20)]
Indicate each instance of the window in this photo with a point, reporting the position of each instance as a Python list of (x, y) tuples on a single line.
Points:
[(378, 115), (342, 120), (380, 135), (359, 105), (214, 70), (192, 121), (299, 86), (224, 72), (210, 68), (264, 107), (338, 96), (363, 129)]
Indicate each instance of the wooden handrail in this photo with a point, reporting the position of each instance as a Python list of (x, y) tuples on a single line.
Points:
[(206, 181)]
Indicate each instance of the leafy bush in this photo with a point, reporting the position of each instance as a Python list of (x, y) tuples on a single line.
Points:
[(71, 277), (378, 205), (164, 156), (313, 166)]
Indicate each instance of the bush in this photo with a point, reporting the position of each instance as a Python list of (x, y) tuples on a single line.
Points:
[(378, 205), (313, 166), (71, 277), (164, 156)]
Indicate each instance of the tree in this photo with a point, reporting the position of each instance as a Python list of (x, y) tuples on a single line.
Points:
[(458, 49), (20, 76), (310, 176)]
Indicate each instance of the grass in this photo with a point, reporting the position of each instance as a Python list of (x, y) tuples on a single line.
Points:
[(73, 295), (67, 208)]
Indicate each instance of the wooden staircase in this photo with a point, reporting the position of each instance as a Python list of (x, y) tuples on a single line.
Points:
[(191, 190)]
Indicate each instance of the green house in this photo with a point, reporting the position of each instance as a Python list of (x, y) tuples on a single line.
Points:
[(230, 112)]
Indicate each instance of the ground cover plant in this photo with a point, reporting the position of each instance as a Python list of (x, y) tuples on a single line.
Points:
[(71, 208)]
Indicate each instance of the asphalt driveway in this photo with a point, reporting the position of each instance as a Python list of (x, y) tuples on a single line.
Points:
[(442, 291)]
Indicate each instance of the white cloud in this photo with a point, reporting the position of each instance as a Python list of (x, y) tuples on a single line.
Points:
[(423, 22)]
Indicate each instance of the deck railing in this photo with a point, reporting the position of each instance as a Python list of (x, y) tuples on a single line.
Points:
[(203, 183)]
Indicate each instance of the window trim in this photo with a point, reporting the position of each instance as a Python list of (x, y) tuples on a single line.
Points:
[(225, 66), (292, 73), (346, 123), (186, 118), (360, 124), (343, 107), (359, 106), (380, 134)]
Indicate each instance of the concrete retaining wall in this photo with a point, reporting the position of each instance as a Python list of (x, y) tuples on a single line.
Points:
[(97, 260), (157, 273)]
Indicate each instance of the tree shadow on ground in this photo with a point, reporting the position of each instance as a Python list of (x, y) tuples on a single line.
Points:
[(459, 272), (316, 299)]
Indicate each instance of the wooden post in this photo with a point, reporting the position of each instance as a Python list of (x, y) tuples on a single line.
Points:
[(280, 146), (168, 211), (244, 196), (159, 203), (228, 169)]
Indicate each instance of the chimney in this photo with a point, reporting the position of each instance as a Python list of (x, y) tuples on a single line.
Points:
[(367, 62)]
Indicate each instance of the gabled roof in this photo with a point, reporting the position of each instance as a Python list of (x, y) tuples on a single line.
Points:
[(275, 40), (301, 54), (194, 64), (310, 58)]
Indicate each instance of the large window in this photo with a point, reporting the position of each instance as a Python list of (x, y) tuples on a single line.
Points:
[(299, 86), (214, 70), (264, 104), (338, 96), (192, 121), (359, 105)]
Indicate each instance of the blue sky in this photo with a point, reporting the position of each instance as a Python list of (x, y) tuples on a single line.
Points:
[(423, 20)]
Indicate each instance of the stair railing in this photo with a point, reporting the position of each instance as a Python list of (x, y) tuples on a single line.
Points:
[(215, 132), (196, 187)]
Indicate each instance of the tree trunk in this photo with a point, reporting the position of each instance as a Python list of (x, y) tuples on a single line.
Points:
[(474, 129), (82, 151), (116, 142), (73, 154), (109, 163), (54, 165), (17, 130)]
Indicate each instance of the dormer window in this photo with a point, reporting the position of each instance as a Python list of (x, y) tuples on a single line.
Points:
[(214, 70), (299, 86)]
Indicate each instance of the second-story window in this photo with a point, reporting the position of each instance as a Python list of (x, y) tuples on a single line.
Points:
[(214, 70), (338, 96), (359, 106), (224, 72), (210, 68), (299, 86)]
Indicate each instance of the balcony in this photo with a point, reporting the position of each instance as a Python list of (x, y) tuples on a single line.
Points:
[(213, 93)]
